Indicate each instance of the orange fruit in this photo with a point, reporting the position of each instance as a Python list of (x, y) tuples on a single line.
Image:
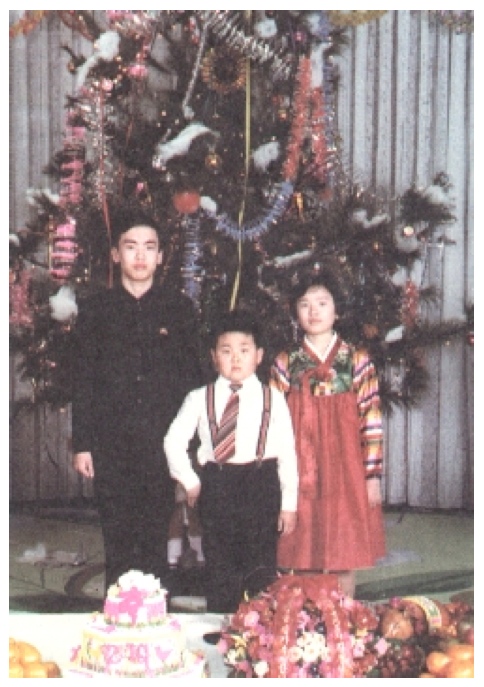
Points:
[(459, 668), (52, 668), (15, 669), (13, 650), (460, 651), (436, 662), (28, 653), (35, 669)]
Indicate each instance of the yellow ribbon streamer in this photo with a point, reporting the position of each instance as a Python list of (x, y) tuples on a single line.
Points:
[(238, 276)]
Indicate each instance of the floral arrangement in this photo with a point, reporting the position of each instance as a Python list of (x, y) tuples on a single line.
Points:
[(302, 627)]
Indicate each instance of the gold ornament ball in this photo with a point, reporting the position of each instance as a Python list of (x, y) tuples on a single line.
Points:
[(213, 162), (408, 231)]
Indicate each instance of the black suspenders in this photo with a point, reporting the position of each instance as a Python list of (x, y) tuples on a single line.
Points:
[(264, 426)]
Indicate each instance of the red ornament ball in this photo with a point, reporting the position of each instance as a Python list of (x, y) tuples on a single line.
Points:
[(186, 202)]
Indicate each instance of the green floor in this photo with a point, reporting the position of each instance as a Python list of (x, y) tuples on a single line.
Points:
[(56, 561)]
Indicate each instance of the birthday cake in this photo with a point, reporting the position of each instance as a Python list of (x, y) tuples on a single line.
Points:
[(134, 637)]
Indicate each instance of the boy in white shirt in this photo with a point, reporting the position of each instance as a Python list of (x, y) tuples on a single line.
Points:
[(247, 493)]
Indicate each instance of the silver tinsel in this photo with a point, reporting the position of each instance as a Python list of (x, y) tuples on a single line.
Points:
[(257, 227), (223, 24), (192, 252)]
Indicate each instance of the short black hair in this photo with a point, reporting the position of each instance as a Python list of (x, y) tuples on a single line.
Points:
[(238, 320), (123, 216), (325, 278)]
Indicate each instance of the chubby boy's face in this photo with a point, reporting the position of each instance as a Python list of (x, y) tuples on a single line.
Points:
[(236, 356)]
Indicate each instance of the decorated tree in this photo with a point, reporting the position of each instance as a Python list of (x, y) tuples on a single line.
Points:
[(222, 124)]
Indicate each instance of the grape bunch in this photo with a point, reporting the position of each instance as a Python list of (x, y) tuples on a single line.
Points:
[(402, 659)]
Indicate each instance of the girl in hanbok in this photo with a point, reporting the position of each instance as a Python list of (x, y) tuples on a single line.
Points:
[(332, 392)]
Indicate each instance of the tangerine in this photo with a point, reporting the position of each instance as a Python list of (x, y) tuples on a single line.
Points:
[(436, 662)]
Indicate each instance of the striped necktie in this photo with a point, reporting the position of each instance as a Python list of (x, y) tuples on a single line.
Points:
[(224, 445)]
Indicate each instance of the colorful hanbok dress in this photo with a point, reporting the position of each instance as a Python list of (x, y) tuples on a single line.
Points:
[(335, 408)]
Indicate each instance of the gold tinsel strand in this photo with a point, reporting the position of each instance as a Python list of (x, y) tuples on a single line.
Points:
[(27, 23), (353, 17)]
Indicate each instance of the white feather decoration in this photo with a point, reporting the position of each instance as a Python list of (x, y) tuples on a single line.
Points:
[(267, 28), (395, 334), (317, 65), (265, 154), (63, 304), (208, 204), (289, 260), (436, 194), (34, 194), (361, 217), (181, 143), (105, 48)]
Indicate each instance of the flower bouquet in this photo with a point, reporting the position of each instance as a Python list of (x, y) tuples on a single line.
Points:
[(302, 627)]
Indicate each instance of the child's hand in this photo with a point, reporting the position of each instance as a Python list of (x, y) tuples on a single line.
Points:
[(287, 522), (374, 492), (192, 495)]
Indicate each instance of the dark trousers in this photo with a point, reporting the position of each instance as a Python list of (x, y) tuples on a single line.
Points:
[(239, 509), (135, 531)]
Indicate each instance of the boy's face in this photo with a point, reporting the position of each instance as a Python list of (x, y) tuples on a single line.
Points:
[(138, 254), (236, 356)]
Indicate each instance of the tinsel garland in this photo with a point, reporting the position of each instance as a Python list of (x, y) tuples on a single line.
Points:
[(26, 24), (192, 252), (224, 27), (257, 227), (20, 306), (131, 23), (318, 128), (459, 20), (300, 123), (299, 120), (353, 17), (186, 109), (72, 166)]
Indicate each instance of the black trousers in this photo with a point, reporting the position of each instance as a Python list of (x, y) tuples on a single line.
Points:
[(239, 510), (135, 530)]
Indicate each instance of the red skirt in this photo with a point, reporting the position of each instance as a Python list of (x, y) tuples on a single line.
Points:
[(336, 528)]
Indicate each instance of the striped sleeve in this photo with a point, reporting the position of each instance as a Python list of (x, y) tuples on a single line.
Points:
[(279, 373), (365, 384)]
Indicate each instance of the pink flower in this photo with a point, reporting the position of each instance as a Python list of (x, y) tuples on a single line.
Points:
[(251, 619), (381, 646), (222, 645)]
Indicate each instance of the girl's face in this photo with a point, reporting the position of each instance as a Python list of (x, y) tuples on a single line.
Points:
[(316, 311)]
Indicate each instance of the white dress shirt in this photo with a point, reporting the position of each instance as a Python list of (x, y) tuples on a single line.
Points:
[(192, 417)]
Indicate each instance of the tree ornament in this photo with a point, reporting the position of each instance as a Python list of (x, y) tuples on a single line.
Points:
[(186, 202), (213, 162), (408, 231), (370, 330), (223, 70)]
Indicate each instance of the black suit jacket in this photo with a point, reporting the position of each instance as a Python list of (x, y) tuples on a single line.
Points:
[(134, 362)]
